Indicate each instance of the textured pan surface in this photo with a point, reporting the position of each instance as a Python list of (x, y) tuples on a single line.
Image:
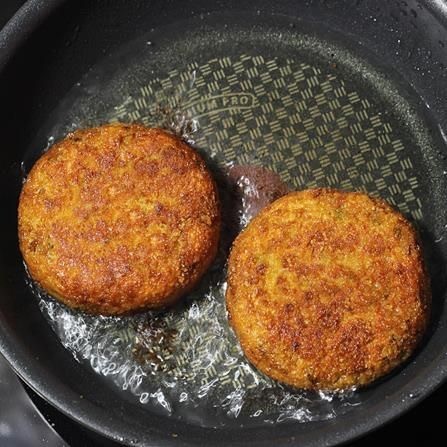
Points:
[(377, 141)]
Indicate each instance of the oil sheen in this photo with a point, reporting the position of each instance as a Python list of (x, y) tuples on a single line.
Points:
[(271, 109)]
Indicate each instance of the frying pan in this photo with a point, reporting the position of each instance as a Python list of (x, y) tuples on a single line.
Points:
[(369, 92)]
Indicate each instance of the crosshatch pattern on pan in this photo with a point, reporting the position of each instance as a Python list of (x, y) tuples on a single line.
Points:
[(309, 126)]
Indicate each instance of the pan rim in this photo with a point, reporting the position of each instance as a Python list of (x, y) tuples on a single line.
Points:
[(15, 32)]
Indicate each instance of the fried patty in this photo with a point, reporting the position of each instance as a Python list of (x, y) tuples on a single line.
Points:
[(328, 289), (119, 218)]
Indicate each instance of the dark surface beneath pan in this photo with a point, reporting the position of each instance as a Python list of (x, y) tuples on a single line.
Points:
[(367, 80)]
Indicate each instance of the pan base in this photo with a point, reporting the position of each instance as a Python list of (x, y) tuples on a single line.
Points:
[(308, 105)]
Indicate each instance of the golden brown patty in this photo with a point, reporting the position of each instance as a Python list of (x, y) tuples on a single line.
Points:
[(119, 218), (327, 289)]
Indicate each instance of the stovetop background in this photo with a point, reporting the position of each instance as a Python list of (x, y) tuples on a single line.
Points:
[(28, 421)]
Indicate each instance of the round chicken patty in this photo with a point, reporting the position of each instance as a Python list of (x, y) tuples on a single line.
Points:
[(327, 289), (119, 218)]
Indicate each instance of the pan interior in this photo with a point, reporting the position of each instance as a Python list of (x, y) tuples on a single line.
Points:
[(307, 105)]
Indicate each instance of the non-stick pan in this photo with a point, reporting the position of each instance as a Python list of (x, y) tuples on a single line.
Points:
[(347, 94)]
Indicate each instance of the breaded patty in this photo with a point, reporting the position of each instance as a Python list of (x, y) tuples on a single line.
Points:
[(327, 289), (119, 218)]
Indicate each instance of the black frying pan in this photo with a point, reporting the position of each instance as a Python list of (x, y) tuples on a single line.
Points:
[(387, 135)]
